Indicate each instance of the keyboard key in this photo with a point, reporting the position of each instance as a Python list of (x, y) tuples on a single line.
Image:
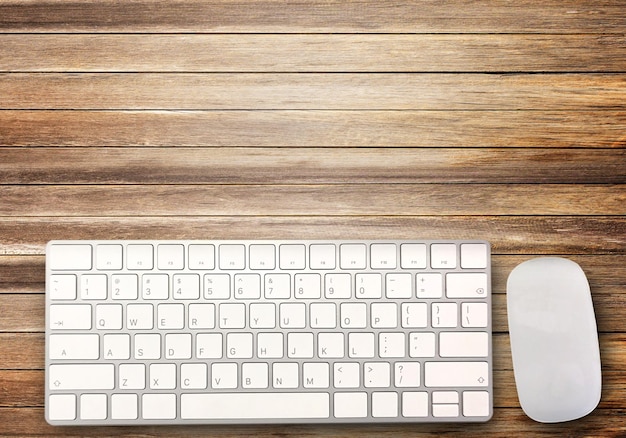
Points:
[(474, 315), (277, 286), (124, 287), (62, 407), (398, 286), (139, 257), (178, 346), (262, 257), (139, 317), (369, 285), (463, 344), (70, 317), (255, 375), (292, 256), (415, 404), (247, 286), (466, 285), (109, 316), (147, 346), (407, 374), (155, 286), (186, 286), (216, 286), (443, 256), (193, 376), (347, 375), (473, 256), (350, 404), (158, 406), (257, 405), (63, 287), (429, 285), (476, 403), (124, 406), (338, 286), (170, 316), (93, 287), (353, 256), (285, 375), (171, 256), (116, 346), (451, 374), (384, 315), (232, 256), (413, 256), (69, 257), (414, 315), (448, 410), (330, 345), (384, 404), (162, 376), (376, 374), (132, 376), (322, 256), (74, 346), (93, 406), (383, 256), (201, 257), (308, 286), (108, 257), (83, 376), (391, 345), (422, 344), (262, 315), (444, 315)]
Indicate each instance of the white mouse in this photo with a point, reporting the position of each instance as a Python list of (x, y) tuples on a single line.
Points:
[(554, 340)]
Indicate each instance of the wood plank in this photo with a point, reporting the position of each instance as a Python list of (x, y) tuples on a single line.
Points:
[(314, 200), (26, 273), (330, 91), (26, 422), (312, 53), (325, 16), (310, 165), (25, 312), (22, 274), (530, 235), (280, 128), (22, 351)]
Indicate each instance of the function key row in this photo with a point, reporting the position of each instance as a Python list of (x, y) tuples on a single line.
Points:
[(266, 256)]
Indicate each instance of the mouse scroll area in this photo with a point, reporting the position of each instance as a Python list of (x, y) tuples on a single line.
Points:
[(554, 341)]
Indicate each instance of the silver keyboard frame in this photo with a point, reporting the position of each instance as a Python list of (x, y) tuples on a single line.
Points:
[(331, 420)]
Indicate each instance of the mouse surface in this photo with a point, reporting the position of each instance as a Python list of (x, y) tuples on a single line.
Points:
[(554, 340)]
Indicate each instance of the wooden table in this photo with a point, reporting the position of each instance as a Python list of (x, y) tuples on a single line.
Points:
[(224, 119)]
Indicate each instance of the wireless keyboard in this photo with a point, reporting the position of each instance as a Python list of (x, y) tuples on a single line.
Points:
[(232, 332)]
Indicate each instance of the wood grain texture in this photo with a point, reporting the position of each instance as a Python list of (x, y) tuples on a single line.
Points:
[(49, 166), (286, 128), (314, 200), (531, 235), (312, 53), (321, 119), (330, 91), (323, 16)]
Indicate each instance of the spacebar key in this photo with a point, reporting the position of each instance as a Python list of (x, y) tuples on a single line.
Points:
[(255, 405)]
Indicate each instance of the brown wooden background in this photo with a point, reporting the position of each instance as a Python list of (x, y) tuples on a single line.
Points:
[(202, 119)]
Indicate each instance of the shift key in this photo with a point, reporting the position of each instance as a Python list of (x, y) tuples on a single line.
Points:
[(83, 376)]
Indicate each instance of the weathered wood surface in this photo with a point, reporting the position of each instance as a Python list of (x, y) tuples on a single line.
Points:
[(272, 119)]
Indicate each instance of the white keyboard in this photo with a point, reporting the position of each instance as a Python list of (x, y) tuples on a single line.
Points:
[(232, 332)]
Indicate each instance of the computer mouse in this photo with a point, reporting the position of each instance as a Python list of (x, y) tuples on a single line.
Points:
[(554, 340)]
